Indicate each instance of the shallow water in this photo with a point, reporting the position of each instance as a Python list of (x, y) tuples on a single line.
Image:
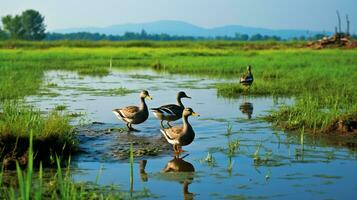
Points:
[(269, 164)]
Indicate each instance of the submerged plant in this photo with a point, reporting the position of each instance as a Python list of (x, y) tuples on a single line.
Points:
[(209, 160), (229, 130)]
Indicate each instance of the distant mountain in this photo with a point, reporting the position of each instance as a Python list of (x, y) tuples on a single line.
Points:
[(180, 28)]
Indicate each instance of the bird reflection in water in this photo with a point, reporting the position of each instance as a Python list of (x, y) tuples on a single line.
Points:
[(247, 109), (181, 171)]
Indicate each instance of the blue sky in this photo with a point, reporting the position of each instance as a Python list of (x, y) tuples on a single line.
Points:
[(276, 14)]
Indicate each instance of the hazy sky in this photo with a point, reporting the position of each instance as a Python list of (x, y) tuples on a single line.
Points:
[(275, 14)]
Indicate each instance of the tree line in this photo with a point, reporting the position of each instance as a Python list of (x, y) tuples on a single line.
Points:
[(143, 35), (29, 25)]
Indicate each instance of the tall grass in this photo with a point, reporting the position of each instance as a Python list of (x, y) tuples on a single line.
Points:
[(52, 133), (315, 112)]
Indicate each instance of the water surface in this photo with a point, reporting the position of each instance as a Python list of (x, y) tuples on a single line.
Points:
[(269, 164)]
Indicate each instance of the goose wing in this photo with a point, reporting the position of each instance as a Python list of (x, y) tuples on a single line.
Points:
[(127, 112), (170, 109), (173, 133)]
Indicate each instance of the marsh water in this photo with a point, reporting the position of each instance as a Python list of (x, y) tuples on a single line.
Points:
[(235, 155)]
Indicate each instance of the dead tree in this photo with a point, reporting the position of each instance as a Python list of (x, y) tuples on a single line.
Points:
[(339, 21), (348, 26)]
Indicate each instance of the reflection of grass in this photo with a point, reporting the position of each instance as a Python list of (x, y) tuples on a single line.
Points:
[(144, 76), (120, 91)]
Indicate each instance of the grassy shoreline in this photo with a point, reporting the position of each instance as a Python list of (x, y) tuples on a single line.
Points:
[(52, 135)]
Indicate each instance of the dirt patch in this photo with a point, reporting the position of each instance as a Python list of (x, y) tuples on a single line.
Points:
[(45, 150), (344, 125)]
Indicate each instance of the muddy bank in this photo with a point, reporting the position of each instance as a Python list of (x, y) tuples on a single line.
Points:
[(103, 142), (341, 132), (96, 142), (15, 149)]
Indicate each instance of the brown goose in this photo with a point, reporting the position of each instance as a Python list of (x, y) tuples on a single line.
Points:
[(170, 112), (180, 136), (134, 114), (247, 79)]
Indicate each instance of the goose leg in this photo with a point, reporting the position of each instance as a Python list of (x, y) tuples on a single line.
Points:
[(175, 150), (178, 150), (132, 129)]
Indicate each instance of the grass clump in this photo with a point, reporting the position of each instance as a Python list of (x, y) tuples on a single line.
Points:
[(60, 107), (52, 134), (316, 113), (94, 71)]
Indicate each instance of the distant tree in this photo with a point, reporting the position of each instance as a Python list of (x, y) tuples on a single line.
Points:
[(143, 34), (28, 26), (3, 34), (241, 37), (302, 38), (13, 25), (33, 25), (256, 37)]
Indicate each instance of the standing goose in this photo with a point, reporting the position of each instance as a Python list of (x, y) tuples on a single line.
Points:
[(170, 112), (247, 79), (180, 135), (134, 114)]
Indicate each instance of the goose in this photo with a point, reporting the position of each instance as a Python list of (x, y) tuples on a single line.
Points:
[(247, 79), (170, 112), (134, 114), (180, 136)]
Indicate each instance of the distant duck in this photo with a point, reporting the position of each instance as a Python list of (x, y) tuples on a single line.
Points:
[(180, 136), (170, 112), (247, 78), (134, 114)]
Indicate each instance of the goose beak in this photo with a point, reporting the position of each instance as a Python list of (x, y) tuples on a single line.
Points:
[(149, 97), (188, 97), (195, 114)]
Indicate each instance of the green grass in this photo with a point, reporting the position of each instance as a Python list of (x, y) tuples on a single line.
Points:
[(94, 71), (52, 133)]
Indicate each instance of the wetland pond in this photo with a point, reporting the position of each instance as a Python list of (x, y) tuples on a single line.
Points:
[(235, 155)]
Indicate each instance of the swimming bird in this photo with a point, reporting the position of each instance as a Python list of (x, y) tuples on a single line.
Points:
[(134, 114), (170, 112), (247, 78), (180, 136)]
